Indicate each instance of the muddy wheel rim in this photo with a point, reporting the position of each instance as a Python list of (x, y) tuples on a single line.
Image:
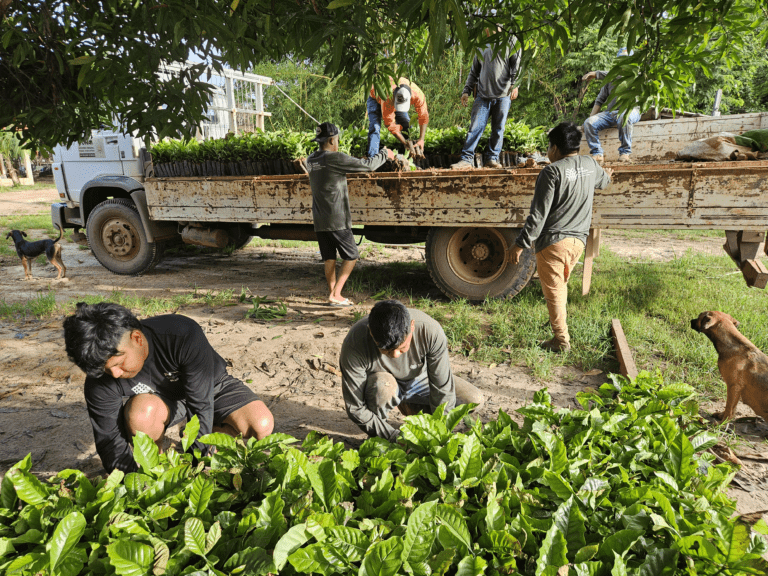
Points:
[(477, 255), (120, 239)]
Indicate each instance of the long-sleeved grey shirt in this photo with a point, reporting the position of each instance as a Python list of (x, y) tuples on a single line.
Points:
[(181, 365), (360, 358), (562, 203), (605, 91), (496, 74), (328, 181)]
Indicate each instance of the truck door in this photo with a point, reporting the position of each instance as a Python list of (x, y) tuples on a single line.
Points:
[(83, 162)]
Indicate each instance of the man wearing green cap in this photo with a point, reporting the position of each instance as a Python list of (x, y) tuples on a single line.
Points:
[(328, 169)]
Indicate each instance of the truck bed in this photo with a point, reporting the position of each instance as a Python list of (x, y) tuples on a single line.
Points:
[(706, 195)]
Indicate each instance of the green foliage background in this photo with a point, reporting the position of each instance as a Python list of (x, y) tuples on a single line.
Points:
[(549, 87)]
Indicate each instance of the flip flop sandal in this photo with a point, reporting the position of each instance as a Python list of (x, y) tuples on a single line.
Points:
[(343, 304)]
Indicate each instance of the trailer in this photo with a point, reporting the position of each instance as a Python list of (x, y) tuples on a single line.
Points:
[(469, 220)]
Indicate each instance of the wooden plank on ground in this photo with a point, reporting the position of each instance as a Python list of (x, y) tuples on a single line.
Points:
[(623, 353), (592, 249)]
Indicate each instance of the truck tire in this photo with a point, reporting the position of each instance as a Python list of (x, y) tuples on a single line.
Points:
[(118, 241), (471, 262)]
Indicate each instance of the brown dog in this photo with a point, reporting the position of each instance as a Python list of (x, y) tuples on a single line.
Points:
[(743, 367)]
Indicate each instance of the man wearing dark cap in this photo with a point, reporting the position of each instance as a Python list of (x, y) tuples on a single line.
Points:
[(328, 169)]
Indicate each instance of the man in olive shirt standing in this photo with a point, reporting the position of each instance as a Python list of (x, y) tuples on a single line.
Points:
[(328, 170), (398, 356), (561, 214)]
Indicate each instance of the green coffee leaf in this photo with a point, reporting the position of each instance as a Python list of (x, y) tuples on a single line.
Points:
[(420, 533), (251, 561), (585, 553), (680, 463), (453, 529), (571, 522), (471, 459), (194, 536), (351, 541), (66, 535), (162, 555), (28, 488), (220, 440), (455, 416), (191, 431), (471, 566), (552, 554), (384, 558), (213, 536), (660, 562), (200, 495), (494, 516), (130, 558), (322, 476), (292, 540), (619, 542), (145, 452)]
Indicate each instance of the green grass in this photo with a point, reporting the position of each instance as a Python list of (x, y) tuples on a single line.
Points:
[(655, 302), (41, 306), (669, 234), (35, 186), (45, 306)]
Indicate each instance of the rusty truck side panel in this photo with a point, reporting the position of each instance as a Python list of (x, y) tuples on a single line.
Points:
[(726, 195)]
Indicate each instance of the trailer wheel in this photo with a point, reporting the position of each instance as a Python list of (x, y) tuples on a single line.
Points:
[(471, 262), (118, 241)]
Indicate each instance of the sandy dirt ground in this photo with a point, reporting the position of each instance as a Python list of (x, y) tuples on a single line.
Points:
[(291, 363)]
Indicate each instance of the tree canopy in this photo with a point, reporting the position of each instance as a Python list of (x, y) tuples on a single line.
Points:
[(67, 67)]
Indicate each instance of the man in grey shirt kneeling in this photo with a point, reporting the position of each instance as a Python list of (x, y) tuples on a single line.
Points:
[(398, 356)]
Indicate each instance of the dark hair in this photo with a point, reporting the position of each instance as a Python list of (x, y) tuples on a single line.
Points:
[(566, 136), (93, 333), (389, 323)]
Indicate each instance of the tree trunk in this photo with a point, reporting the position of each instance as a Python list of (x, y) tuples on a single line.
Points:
[(12, 174)]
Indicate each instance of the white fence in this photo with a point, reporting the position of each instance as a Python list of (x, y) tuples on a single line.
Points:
[(237, 102)]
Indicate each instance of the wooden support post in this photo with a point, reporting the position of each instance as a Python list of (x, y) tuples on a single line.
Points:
[(755, 273), (731, 245), (592, 250), (623, 353)]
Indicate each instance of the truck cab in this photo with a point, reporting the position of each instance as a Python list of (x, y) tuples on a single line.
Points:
[(100, 186)]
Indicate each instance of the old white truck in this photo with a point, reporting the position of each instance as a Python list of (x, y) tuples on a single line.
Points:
[(468, 220)]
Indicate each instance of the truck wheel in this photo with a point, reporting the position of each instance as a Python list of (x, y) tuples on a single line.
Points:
[(471, 262), (117, 239)]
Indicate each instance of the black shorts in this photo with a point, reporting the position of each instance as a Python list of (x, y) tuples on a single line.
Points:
[(342, 241), (229, 394)]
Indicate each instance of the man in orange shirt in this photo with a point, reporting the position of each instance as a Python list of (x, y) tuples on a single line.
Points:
[(393, 113)]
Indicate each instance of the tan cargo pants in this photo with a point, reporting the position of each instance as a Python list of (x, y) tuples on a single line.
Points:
[(555, 264)]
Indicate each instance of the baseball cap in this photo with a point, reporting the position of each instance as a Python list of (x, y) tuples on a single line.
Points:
[(324, 131), (402, 97)]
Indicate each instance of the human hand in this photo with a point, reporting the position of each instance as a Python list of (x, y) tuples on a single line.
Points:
[(390, 154), (514, 254), (419, 143), (513, 95), (609, 171), (464, 99), (589, 76)]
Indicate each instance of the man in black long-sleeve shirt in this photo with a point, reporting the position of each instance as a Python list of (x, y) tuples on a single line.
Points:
[(167, 370)]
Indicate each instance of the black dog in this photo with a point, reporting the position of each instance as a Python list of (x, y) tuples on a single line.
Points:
[(28, 251)]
